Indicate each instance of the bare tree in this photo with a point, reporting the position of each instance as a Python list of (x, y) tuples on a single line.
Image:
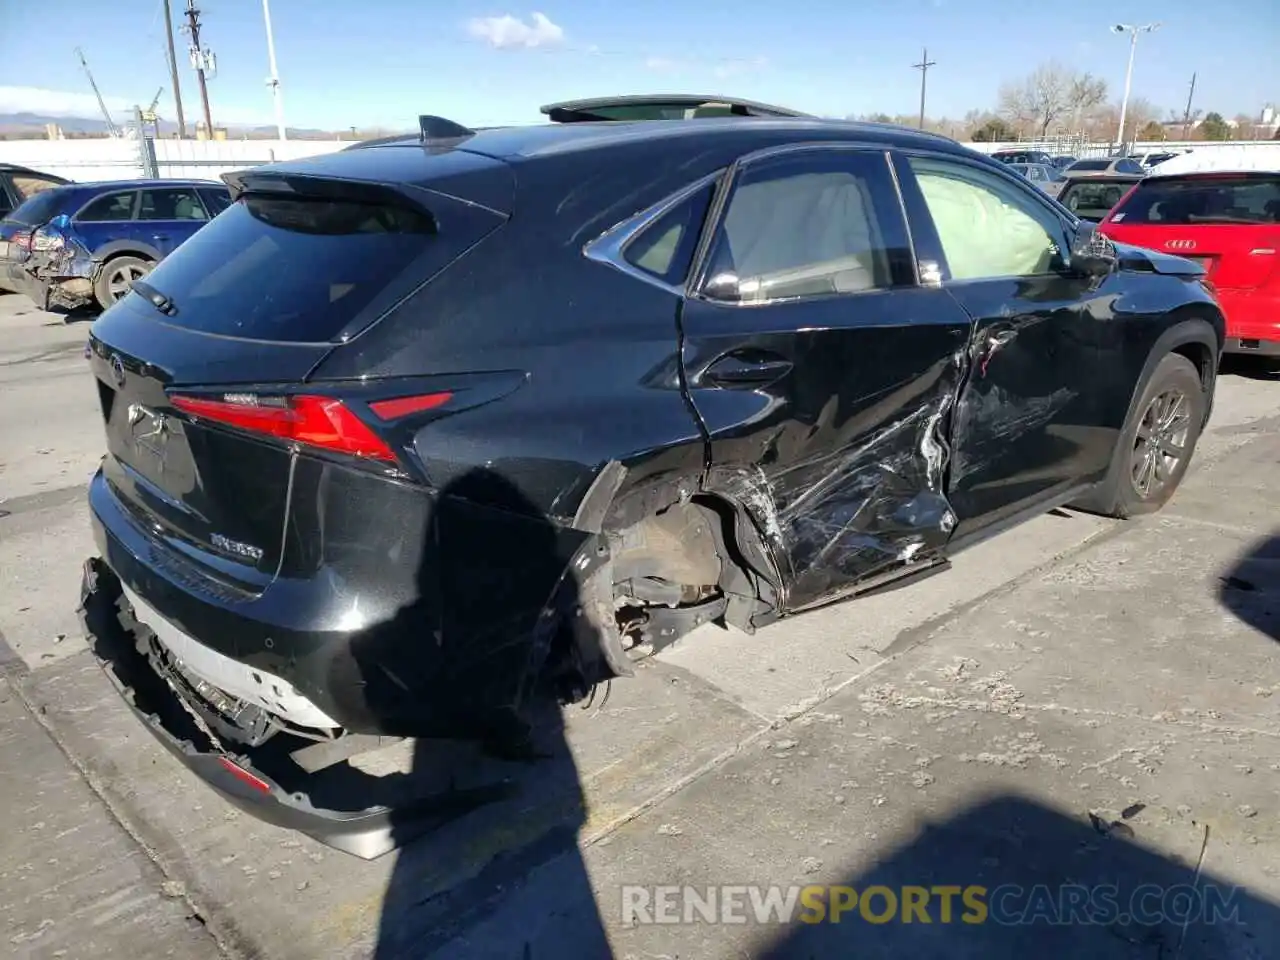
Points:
[(1049, 94), (1085, 94)]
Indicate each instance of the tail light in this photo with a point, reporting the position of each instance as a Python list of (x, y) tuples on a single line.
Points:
[(47, 238), (325, 423)]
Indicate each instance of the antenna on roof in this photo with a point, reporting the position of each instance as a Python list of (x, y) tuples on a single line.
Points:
[(438, 128)]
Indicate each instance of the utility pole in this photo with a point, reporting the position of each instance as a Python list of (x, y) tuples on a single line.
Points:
[(923, 66), (173, 72), (199, 59), (273, 81), (1186, 116), (1128, 76)]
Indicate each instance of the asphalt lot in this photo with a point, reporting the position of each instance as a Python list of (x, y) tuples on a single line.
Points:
[(1077, 702)]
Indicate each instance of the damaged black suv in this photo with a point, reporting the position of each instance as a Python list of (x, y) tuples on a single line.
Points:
[(413, 432)]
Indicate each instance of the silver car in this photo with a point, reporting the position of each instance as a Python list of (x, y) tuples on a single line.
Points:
[(1044, 175)]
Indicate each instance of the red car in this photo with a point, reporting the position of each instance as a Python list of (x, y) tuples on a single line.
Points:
[(1220, 207)]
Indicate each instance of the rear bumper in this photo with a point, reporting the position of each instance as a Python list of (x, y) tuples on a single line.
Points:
[(367, 833), (378, 650)]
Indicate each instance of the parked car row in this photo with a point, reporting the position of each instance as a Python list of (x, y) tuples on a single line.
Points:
[(72, 244), (1221, 209)]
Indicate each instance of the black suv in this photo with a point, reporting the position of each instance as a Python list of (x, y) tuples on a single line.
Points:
[(415, 433)]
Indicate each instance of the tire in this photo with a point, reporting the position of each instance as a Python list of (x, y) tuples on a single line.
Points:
[(117, 278), (1145, 470)]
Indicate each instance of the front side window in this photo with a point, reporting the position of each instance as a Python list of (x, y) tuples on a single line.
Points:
[(1218, 199), (810, 224), (28, 186), (988, 227), (109, 208), (171, 204)]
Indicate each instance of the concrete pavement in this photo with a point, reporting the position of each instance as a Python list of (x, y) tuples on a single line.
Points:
[(960, 731)]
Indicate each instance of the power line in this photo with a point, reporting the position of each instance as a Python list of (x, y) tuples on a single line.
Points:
[(923, 66)]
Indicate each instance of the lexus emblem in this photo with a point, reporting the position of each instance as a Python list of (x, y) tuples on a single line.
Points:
[(117, 370), (1180, 245)]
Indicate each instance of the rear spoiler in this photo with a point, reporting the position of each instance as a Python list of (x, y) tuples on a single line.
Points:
[(597, 108)]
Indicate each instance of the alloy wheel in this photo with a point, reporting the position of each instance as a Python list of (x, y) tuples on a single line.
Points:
[(1161, 442), (120, 279)]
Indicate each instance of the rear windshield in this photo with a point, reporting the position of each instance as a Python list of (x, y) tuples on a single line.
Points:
[(40, 209), (1239, 199), (291, 269), (1091, 165)]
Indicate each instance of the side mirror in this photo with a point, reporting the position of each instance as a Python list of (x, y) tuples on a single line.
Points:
[(60, 222), (1092, 254)]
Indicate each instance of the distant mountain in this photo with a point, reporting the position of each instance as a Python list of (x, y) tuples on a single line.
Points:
[(34, 123)]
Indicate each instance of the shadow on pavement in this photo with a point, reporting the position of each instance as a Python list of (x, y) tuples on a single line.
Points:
[(493, 793), (1028, 881), (491, 564), (1254, 368), (1251, 588)]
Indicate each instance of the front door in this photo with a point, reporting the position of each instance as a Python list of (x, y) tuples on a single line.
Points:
[(1030, 424), (823, 373)]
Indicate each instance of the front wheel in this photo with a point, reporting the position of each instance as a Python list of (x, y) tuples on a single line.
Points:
[(117, 278), (1153, 453)]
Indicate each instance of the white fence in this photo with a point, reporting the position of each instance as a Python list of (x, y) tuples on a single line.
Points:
[(87, 160)]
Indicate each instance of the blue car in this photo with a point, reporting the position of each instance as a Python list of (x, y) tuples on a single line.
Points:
[(79, 243)]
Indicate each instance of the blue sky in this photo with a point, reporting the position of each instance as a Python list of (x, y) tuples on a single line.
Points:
[(382, 62)]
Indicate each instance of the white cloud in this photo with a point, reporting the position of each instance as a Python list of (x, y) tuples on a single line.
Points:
[(507, 31), (57, 103)]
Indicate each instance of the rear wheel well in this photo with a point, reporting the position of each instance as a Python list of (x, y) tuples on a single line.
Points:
[(684, 560)]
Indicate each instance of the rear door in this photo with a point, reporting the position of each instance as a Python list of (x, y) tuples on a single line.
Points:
[(238, 317), (1229, 222), (169, 216), (106, 218), (822, 372)]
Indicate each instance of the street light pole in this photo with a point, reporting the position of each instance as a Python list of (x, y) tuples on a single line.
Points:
[(273, 81), (1133, 32)]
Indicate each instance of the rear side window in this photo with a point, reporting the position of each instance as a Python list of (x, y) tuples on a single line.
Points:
[(215, 200), (290, 268), (810, 224), (40, 209), (665, 248), (171, 204), (1092, 199), (109, 208), (1243, 199)]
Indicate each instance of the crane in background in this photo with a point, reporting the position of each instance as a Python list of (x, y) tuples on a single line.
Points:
[(106, 115)]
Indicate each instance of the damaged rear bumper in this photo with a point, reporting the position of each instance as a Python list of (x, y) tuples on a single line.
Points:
[(63, 279), (367, 832)]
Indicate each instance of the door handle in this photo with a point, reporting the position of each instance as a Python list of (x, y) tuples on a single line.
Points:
[(160, 236), (746, 369)]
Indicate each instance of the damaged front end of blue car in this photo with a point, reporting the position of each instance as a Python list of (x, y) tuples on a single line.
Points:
[(62, 269)]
